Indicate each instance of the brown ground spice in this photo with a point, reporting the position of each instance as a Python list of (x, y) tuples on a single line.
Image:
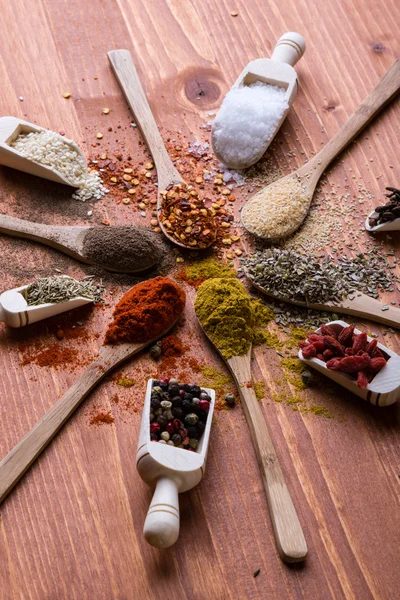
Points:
[(101, 417)]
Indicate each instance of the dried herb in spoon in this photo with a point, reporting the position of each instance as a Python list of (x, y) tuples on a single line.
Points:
[(61, 289)]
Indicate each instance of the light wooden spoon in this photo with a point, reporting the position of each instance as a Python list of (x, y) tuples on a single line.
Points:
[(290, 541), (309, 174), (65, 238), (128, 79), (20, 458), (362, 306)]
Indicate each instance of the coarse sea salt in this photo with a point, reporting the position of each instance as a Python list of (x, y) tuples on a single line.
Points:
[(51, 150), (246, 123)]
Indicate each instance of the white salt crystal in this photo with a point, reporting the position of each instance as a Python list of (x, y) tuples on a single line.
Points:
[(246, 123)]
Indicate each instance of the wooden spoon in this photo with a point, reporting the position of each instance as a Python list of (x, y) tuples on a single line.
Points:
[(20, 458), (362, 306), (289, 536), (10, 129), (128, 79), (65, 238), (309, 174)]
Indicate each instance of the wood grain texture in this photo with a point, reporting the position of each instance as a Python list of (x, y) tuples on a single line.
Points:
[(72, 529)]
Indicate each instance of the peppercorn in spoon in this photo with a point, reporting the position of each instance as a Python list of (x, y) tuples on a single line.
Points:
[(279, 209), (182, 215), (125, 249)]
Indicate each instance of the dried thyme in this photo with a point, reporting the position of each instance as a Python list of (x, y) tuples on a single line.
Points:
[(62, 288)]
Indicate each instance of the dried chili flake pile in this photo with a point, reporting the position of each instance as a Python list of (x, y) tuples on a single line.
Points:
[(185, 216), (345, 351)]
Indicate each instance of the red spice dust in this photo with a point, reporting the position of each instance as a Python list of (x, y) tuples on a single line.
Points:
[(171, 346), (101, 417), (52, 356)]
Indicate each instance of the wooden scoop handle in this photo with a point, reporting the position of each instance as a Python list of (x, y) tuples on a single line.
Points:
[(126, 74), (161, 528), (381, 95), (289, 536)]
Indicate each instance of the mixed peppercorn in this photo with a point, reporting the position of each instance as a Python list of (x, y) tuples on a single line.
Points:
[(345, 351), (185, 216), (178, 413)]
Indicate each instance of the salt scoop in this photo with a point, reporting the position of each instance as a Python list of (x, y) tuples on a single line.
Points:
[(15, 312), (383, 390), (388, 226), (264, 106), (10, 129), (172, 471)]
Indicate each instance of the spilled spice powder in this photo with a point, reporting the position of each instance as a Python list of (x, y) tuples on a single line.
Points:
[(101, 418), (171, 346), (52, 356)]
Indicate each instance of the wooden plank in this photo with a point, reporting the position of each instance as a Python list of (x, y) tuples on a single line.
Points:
[(73, 527)]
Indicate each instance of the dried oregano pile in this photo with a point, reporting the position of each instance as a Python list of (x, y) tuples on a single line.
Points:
[(286, 274)]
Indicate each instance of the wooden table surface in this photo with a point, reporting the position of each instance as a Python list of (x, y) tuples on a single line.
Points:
[(72, 528)]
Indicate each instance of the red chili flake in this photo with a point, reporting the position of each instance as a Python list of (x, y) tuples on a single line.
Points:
[(334, 345), (309, 351), (362, 380), (346, 336), (360, 342), (326, 330)]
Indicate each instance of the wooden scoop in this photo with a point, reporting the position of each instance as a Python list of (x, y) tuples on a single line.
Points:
[(65, 238), (171, 471), (14, 309), (383, 390), (128, 79), (362, 306), (10, 129), (289, 536), (278, 71), (309, 174), (20, 458)]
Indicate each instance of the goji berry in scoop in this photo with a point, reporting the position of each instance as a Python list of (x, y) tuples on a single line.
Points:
[(333, 344), (362, 380), (326, 330), (346, 336), (360, 342), (309, 351)]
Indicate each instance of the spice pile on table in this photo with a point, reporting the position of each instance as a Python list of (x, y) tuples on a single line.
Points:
[(178, 413), (387, 212), (61, 288), (232, 320), (246, 122), (52, 150), (286, 274), (345, 351), (146, 311), (185, 217), (124, 248)]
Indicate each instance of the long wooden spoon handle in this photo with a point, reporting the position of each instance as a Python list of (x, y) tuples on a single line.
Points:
[(289, 536), (20, 458), (381, 95), (126, 74)]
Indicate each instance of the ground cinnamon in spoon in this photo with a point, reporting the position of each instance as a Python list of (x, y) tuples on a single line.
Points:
[(146, 311)]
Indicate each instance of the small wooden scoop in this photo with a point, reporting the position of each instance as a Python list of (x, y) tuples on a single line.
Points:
[(362, 306), (65, 238), (289, 536), (171, 471), (278, 71), (20, 458), (10, 129), (309, 174), (383, 390), (15, 311), (128, 79)]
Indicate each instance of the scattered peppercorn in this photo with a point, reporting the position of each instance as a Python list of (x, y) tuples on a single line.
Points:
[(230, 399)]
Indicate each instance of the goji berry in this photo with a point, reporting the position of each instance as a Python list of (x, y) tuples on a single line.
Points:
[(371, 347), (376, 364), (318, 341), (360, 342), (377, 352), (326, 330), (346, 336), (362, 380), (334, 364), (353, 364), (309, 351), (320, 356), (328, 354), (334, 345)]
